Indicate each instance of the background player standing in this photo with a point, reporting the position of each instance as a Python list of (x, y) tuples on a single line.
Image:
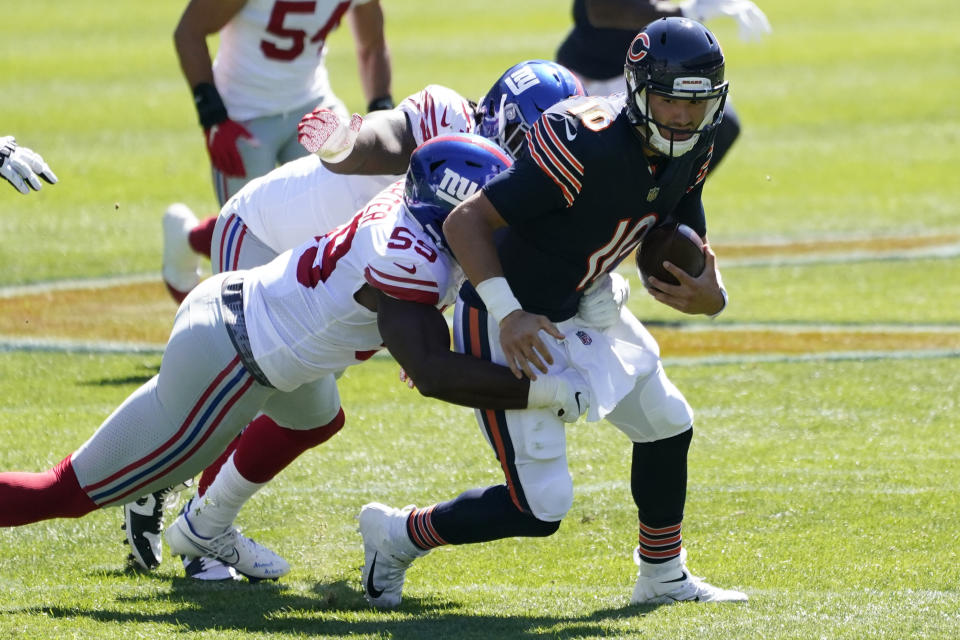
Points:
[(269, 70), (603, 29)]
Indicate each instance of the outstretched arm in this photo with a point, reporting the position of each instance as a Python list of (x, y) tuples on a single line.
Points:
[(419, 339), (378, 144)]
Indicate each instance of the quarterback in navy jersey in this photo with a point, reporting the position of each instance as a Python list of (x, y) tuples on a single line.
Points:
[(567, 226), (534, 242)]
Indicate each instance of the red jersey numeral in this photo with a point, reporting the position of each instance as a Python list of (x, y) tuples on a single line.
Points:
[(310, 271), (297, 37), (402, 238)]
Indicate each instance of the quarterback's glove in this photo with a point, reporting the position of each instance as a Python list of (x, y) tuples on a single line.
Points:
[(752, 22), (222, 146), (323, 132), (602, 301), (564, 393), (21, 166)]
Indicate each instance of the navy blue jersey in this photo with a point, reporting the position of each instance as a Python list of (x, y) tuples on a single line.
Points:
[(582, 197), (592, 52)]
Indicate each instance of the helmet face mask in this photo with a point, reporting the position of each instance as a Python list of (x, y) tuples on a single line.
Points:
[(444, 171), (677, 59), (518, 98)]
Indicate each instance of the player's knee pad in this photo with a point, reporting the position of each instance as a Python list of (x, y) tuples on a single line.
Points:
[(540, 455), (655, 409), (549, 492)]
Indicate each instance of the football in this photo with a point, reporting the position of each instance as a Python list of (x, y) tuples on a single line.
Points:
[(675, 243)]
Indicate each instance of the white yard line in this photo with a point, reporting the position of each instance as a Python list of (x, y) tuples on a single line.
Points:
[(14, 344), (78, 284)]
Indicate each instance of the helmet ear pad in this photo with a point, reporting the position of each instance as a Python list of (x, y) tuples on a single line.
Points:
[(681, 59), (518, 98), (444, 171)]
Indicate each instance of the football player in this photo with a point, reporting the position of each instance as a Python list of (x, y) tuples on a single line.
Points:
[(271, 340), (269, 70), (598, 173), (327, 187), (602, 30), (22, 167), (275, 212)]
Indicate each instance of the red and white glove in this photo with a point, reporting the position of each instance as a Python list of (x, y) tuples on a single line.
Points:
[(601, 303), (752, 22), (222, 146), (323, 132), (21, 166)]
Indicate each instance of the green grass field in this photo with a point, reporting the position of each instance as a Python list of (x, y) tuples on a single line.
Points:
[(824, 484)]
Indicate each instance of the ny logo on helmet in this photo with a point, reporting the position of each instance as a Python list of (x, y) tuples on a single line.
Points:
[(521, 80), (454, 188), (638, 48)]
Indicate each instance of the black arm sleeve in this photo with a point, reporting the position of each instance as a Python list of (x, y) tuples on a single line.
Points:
[(418, 337)]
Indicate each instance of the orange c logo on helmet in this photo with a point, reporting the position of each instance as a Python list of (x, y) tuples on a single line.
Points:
[(638, 48)]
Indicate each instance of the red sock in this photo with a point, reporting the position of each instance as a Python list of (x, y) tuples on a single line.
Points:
[(201, 236), (266, 448), (31, 497)]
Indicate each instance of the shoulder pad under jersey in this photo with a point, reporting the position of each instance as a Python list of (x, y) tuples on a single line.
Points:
[(437, 110)]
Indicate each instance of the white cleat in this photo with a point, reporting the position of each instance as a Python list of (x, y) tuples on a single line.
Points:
[(387, 552), (233, 549), (680, 586), (181, 265)]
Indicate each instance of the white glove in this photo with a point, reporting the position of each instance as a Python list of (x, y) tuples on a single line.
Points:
[(21, 166), (752, 22), (323, 132), (565, 393), (602, 301)]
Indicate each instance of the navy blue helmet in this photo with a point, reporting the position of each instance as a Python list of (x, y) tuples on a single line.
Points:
[(516, 100), (446, 170), (679, 59)]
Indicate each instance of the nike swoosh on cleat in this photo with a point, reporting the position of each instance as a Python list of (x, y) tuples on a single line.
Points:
[(233, 559), (576, 397), (372, 590)]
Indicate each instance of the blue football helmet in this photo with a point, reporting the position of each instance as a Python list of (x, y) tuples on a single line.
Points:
[(446, 170), (514, 103), (679, 59)]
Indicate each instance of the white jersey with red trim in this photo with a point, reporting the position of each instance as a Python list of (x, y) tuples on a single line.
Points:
[(302, 198), (437, 110), (271, 55), (301, 315)]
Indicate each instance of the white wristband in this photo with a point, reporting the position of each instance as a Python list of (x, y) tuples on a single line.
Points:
[(543, 392), (498, 298)]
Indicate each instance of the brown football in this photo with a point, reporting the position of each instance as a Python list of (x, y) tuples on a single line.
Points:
[(675, 243)]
